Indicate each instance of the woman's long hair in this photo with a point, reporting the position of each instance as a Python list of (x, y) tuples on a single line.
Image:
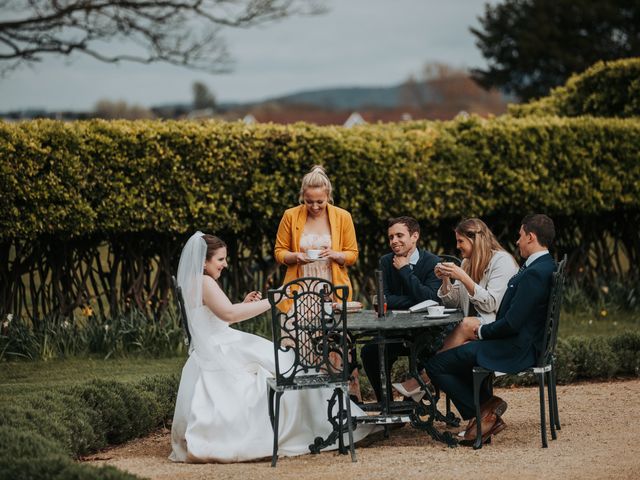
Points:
[(484, 245)]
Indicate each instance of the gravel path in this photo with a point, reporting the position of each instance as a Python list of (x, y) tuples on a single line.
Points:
[(599, 439)]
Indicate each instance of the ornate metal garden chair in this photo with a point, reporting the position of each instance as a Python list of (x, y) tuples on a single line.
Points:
[(310, 346), (544, 368)]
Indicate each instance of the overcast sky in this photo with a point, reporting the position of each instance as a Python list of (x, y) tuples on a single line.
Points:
[(358, 43)]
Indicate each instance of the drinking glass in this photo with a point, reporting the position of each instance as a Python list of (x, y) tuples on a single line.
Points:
[(375, 304)]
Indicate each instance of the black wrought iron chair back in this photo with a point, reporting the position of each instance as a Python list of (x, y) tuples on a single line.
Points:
[(310, 330), (545, 367), (550, 338), (181, 310), (311, 351)]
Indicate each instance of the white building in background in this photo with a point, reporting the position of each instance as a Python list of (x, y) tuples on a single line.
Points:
[(354, 119)]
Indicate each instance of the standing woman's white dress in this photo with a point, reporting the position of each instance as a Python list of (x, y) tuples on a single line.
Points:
[(222, 411)]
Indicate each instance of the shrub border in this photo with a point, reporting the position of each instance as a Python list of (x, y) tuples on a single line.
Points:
[(41, 434)]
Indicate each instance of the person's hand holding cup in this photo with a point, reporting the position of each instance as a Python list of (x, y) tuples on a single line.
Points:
[(313, 254)]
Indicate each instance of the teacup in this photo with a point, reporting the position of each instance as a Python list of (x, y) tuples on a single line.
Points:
[(435, 310), (314, 254)]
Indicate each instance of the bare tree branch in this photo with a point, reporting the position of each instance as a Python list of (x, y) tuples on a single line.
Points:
[(186, 33)]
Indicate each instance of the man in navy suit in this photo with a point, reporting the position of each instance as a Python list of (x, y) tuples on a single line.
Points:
[(409, 278), (510, 344)]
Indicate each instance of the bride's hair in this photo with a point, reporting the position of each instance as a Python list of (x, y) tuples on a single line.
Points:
[(213, 243), (316, 178)]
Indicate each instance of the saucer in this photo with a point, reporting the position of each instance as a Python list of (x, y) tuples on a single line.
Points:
[(352, 307), (450, 310), (434, 317)]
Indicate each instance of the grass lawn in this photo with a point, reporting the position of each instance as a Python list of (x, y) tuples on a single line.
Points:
[(589, 324), (17, 378)]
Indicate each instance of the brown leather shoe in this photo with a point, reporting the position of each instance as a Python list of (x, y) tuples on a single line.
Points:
[(488, 421), (492, 424), (493, 405), (471, 424), (499, 426)]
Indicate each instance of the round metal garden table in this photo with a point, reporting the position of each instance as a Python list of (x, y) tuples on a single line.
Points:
[(407, 328)]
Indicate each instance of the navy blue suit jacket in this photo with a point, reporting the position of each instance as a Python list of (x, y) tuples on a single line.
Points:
[(513, 342), (406, 287)]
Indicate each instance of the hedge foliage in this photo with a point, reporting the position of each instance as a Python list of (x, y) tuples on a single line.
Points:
[(141, 188), (587, 358), (41, 433), (83, 179), (607, 89)]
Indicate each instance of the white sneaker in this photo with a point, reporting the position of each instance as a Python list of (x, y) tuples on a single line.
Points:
[(416, 395)]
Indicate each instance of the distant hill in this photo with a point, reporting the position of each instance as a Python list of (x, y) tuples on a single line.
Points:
[(346, 98), (339, 98), (437, 100)]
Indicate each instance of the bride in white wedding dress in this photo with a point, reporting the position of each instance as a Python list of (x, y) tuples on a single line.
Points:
[(221, 411)]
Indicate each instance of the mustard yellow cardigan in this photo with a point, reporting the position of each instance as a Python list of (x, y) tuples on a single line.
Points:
[(343, 239)]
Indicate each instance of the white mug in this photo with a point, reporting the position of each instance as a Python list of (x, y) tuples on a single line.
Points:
[(313, 254), (435, 310)]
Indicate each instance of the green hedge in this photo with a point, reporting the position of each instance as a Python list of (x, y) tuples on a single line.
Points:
[(139, 189), (29, 455), (587, 358), (607, 89), (109, 178), (40, 433)]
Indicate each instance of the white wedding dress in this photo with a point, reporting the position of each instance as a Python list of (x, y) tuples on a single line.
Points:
[(222, 411)]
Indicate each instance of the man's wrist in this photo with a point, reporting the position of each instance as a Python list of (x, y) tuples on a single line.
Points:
[(404, 272)]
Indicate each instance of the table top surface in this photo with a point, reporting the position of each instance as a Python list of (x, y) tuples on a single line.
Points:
[(397, 320)]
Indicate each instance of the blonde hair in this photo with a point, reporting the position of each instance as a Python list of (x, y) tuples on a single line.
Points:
[(484, 244), (316, 178)]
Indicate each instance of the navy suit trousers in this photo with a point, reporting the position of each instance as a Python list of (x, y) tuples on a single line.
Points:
[(371, 364), (452, 372)]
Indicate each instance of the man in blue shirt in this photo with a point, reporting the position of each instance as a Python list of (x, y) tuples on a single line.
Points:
[(409, 278)]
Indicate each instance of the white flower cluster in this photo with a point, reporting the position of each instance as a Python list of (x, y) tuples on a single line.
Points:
[(6, 323)]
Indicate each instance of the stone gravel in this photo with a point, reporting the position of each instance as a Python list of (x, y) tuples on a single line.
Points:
[(599, 440)]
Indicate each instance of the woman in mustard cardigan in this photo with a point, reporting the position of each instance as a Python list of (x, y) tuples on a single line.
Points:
[(317, 224)]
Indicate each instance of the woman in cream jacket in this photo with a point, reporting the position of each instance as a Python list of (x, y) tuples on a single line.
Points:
[(481, 280)]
